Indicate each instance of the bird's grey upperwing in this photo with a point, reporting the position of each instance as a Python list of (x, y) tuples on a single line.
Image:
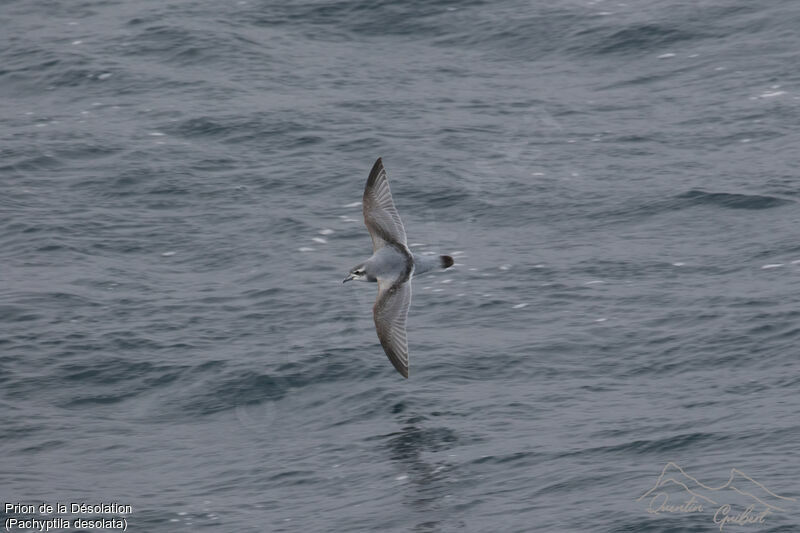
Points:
[(390, 312), (380, 214)]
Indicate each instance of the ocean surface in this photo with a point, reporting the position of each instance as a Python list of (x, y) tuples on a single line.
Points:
[(179, 203)]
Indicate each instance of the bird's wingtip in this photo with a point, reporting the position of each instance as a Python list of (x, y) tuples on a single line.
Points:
[(375, 172)]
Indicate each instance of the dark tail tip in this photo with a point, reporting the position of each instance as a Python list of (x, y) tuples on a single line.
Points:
[(447, 261)]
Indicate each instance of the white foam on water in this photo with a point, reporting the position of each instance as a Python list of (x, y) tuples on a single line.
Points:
[(354, 204), (594, 282), (77, 42), (325, 231), (305, 249), (104, 76), (319, 240), (519, 306), (665, 56), (168, 254), (772, 94), (600, 319), (438, 290), (417, 244), (505, 267), (678, 264), (772, 265), (156, 134)]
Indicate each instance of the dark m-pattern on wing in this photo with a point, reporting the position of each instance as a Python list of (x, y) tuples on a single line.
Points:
[(380, 214)]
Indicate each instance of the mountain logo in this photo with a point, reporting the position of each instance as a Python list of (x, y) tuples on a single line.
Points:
[(740, 491)]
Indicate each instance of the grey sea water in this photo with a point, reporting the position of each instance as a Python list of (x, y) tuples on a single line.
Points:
[(618, 182)]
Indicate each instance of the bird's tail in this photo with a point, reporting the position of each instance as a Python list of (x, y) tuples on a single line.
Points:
[(426, 263)]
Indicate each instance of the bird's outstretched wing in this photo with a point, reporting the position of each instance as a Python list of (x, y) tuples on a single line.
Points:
[(390, 312), (380, 214)]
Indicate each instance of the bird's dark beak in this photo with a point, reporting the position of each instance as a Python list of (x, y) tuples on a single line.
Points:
[(348, 278)]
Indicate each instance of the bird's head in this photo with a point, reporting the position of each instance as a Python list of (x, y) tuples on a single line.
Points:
[(356, 273)]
